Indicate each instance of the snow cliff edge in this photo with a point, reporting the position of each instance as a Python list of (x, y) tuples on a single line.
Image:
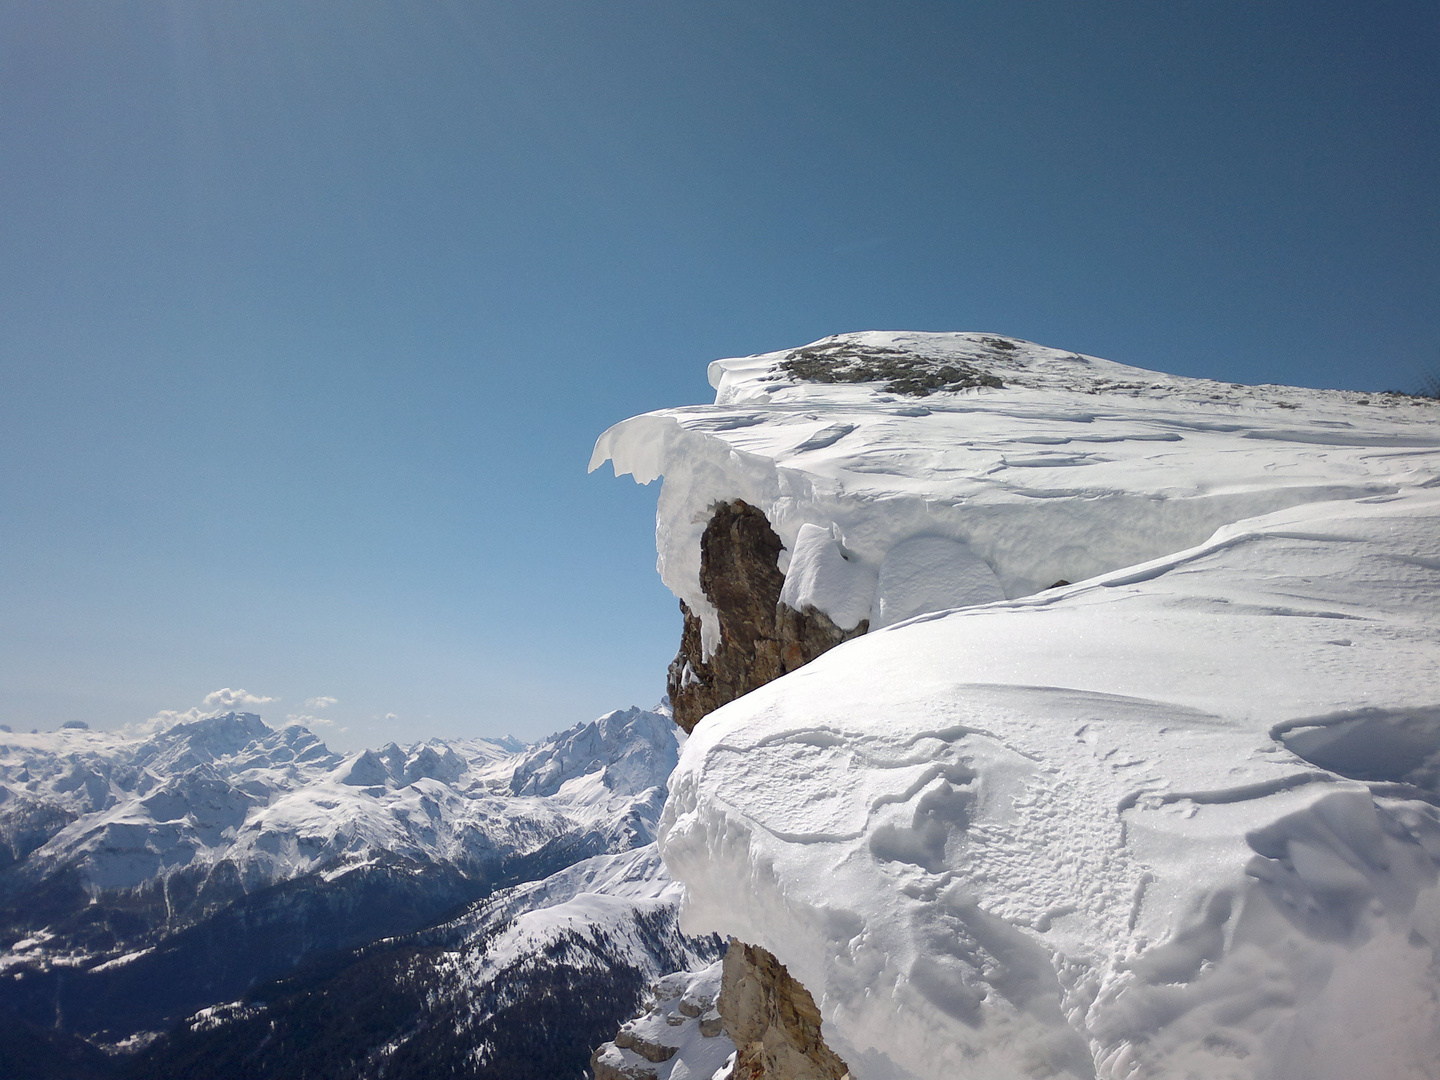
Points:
[(1177, 818)]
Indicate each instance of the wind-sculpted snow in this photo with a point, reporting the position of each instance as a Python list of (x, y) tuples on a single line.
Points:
[(1073, 467), (132, 853), (1069, 835), (1178, 819)]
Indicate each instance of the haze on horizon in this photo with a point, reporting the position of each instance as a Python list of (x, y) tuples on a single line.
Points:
[(312, 314)]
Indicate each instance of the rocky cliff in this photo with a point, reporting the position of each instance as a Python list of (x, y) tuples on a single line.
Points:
[(773, 1021), (761, 638), (769, 1016)]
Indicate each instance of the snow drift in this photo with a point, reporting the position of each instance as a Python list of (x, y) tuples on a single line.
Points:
[(1175, 819)]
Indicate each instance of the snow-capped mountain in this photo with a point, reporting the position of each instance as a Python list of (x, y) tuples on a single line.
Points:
[(1134, 774), (270, 804), (152, 873)]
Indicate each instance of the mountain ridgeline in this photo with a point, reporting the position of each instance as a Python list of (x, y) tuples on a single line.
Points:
[(167, 894)]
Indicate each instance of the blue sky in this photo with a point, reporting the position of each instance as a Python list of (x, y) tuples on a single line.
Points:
[(311, 313)]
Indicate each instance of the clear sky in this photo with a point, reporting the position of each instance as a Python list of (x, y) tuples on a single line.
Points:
[(310, 313)]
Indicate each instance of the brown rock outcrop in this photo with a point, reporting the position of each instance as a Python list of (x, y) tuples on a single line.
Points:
[(773, 1021), (649, 1049), (760, 638), (806, 634), (770, 1017)]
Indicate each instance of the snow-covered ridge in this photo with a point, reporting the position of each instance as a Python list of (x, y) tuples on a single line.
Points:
[(1176, 819), (1073, 467)]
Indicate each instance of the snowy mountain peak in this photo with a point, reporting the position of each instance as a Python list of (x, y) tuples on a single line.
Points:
[(631, 750), (393, 766), (1047, 465), (366, 769), (434, 762), (234, 743), (942, 366)]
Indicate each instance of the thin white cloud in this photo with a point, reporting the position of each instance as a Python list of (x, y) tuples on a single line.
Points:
[(307, 720), (223, 700), (230, 699), (391, 716), (320, 702), (166, 718)]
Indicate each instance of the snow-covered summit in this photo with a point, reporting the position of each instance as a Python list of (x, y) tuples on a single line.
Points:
[(1178, 818), (1070, 467)]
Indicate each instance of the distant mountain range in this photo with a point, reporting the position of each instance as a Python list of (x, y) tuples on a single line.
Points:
[(222, 875)]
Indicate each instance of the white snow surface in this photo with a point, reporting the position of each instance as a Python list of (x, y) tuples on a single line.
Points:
[(1175, 820), (681, 1017), (824, 576), (1076, 467), (598, 895), (931, 573)]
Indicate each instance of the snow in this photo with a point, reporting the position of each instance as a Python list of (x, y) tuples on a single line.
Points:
[(931, 573), (601, 891), (1176, 819), (1076, 467), (680, 1021), (631, 748), (821, 575)]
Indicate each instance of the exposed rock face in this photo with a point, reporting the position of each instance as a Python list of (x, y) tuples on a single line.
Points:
[(760, 638), (738, 571), (603, 1068), (629, 1039), (806, 634), (773, 1021), (841, 361), (769, 1016)]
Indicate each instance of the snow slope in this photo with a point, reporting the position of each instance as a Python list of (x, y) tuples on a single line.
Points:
[(1176, 819)]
